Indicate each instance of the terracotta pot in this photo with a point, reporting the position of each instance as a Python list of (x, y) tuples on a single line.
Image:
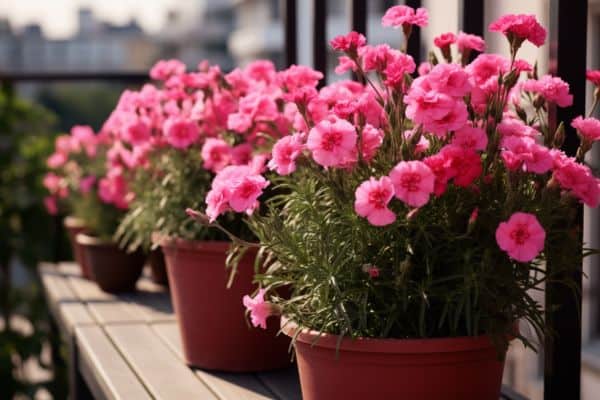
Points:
[(212, 323), (464, 368), (158, 268), (111, 267), (74, 226)]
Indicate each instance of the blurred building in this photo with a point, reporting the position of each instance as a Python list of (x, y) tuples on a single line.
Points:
[(198, 32), (96, 46)]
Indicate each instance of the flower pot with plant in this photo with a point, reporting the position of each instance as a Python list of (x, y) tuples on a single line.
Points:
[(415, 215), (177, 133)]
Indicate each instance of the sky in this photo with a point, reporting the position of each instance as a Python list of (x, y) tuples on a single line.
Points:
[(58, 18)]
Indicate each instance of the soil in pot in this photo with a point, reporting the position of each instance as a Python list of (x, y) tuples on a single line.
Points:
[(213, 326), (466, 368), (158, 267), (75, 226), (111, 267)]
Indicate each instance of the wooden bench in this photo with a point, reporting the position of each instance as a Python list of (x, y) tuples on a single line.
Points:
[(128, 347)]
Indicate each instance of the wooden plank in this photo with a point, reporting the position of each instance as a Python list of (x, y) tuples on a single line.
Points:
[(163, 374), (282, 384), (64, 305), (150, 303), (104, 368), (105, 307), (285, 383)]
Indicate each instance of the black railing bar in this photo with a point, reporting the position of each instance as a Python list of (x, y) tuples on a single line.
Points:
[(289, 17), (73, 76), (414, 44), (320, 38)]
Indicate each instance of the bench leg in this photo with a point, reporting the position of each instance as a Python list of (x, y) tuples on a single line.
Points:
[(78, 389)]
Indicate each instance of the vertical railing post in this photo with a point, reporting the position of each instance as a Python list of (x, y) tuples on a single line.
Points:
[(358, 16), (290, 31), (472, 19), (472, 16), (320, 38), (414, 43), (562, 369)]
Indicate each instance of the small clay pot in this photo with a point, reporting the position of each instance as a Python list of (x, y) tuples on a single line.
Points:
[(158, 268), (111, 267), (74, 226), (214, 331)]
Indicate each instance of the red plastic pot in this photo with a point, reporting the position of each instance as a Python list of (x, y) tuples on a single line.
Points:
[(75, 226), (212, 323), (158, 268), (111, 267), (464, 368)]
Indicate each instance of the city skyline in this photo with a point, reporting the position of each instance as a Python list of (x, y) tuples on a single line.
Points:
[(58, 18)]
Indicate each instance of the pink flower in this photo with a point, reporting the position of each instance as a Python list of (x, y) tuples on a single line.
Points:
[(372, 198), (372, 139), (136, 132), (464, 164), (593, 76), (216, 154), (400, 16), (112, 189), (348, 43), (51, 205), (577, 178), (588, 128), (551, 88), (332, 142), (438, 112), (466, 41), (445, 40), (396, 70), (164, 69), (235, 187), (523, 151), (345, 64), (298, 76), (520, 26), (242, 154), (516, 127), (424, 68), (376, 58), (56, 185), (86, 184), (285, 152), (259, 309), (83, 136), (371, 270), (413, 182), (180, 132), (450, 79), (522, 237), (56, 160), (443, 169), (470, 138)]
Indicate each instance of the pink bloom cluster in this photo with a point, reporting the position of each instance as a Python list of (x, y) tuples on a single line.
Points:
[(551, 88), (259, 309), (400, 16), (588, 128), (593, 76), (520, 26)]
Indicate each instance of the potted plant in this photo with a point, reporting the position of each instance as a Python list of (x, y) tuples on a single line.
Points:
[(185, 141), (74, 168), (92, 185), (415, 216)]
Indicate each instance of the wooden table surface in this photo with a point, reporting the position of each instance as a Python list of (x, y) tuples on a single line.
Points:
[(128, 347)]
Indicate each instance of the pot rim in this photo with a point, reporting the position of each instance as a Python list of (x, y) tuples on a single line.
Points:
[(217, 246), (91, 240), (377, 345), (71, 221)]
